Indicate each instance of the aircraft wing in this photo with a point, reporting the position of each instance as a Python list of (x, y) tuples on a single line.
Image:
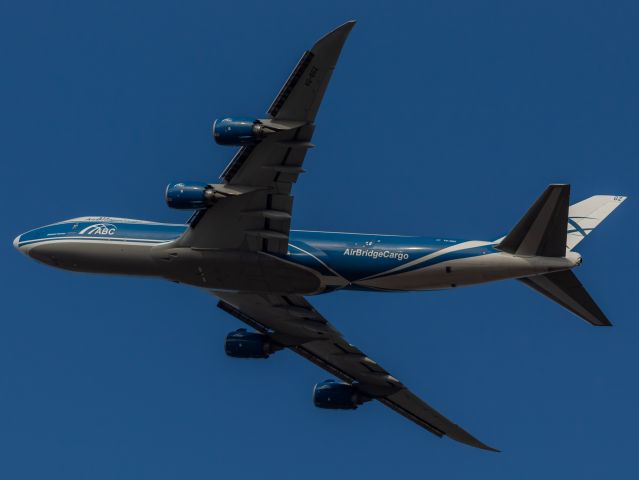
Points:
[(290, 321), (254, 209)]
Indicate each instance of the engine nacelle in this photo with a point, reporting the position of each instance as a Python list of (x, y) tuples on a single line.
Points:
[(243, 344), (336, 395), (189, 196), (237, 131)]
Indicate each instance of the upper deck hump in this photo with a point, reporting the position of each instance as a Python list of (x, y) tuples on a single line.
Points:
[(102, 229)]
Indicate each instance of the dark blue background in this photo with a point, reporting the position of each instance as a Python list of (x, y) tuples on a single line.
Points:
[(442, 118)]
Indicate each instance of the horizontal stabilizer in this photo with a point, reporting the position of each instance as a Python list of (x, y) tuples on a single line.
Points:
[(542, 230), (565, 289)]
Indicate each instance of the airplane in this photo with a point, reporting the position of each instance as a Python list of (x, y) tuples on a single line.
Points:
[(238, 245)]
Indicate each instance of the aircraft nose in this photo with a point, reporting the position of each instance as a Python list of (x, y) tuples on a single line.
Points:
[(16, 244)]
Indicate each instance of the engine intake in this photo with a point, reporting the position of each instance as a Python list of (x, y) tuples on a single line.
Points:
[(189, 195), (243, 344), (337, 395), (238, 131)]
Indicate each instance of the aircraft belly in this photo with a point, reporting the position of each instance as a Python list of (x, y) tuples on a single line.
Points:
[(448, 274), (216, 269), (122, 258), (235, 270), (466, 271)]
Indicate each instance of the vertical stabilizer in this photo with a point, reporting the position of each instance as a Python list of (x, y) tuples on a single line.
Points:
[(585, 216)]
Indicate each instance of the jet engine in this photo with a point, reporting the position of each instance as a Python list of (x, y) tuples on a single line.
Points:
[(243, 344), (238, 131), (337, 395), (189, 196)]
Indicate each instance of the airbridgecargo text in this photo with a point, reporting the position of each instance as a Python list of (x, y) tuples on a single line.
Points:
[(361, 252)]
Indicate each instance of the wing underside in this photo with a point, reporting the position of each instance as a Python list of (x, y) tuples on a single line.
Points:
[(255, 206), (292, 322)]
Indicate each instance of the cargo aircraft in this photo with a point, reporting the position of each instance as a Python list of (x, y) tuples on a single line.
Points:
[(238, 245)]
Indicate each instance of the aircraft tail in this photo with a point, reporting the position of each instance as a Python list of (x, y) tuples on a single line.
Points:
[(585, 216), (549, 228), (542, 230), (565, 288)]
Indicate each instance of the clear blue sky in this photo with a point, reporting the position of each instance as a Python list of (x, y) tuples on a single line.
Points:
[(442, 118)]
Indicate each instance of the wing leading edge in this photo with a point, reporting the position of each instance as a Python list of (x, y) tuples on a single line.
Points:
[(290, 321)]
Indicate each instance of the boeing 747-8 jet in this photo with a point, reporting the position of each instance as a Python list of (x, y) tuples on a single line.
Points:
[(238, 245)]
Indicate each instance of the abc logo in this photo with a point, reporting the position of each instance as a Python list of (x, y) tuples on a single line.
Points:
[(99, 229)]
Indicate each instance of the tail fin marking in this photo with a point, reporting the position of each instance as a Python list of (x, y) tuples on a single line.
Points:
[(585, 216)]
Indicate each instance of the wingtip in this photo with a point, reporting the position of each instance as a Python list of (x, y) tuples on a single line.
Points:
[(491, 449), (349, 23), (473, 442), (343, 30), (483, 446), (460, 435)]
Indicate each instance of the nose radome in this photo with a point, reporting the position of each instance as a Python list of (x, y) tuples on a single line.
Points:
[(16, 243)]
